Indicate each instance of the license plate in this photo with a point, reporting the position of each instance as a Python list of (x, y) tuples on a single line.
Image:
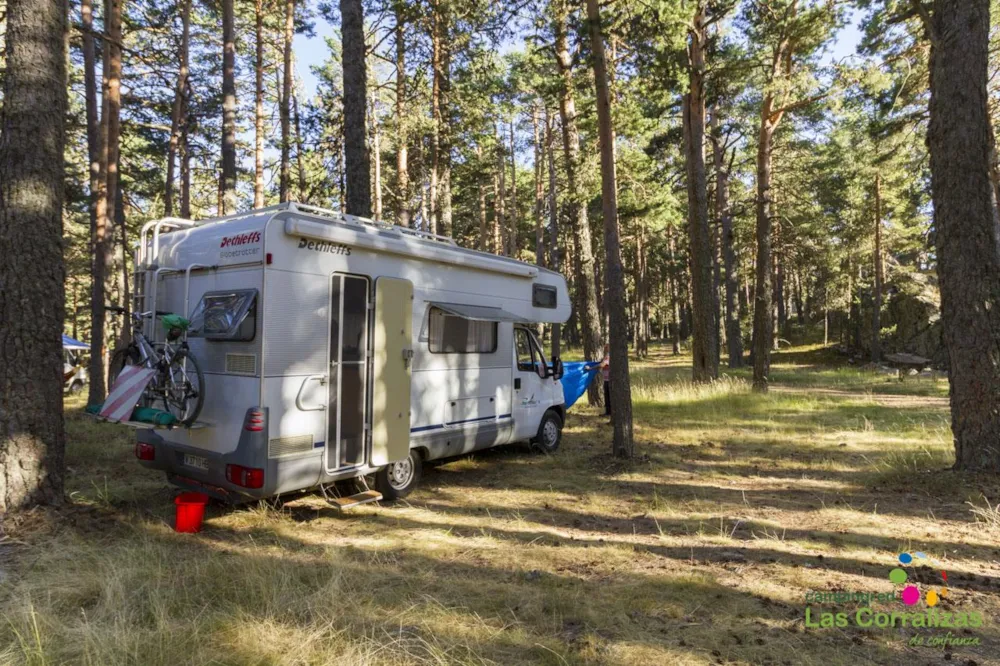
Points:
[(196, 461)]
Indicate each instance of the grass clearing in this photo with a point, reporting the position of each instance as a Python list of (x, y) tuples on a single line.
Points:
[(700, 552)]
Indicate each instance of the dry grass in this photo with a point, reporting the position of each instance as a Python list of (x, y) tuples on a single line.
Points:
[(699, 552)]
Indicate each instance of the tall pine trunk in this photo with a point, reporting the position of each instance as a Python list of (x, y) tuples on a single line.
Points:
[(539, 166), (285, 170), (258, 106), (968, 262), (583, 267), (512, 231), (32, 293), (731, 316), (228, 108), (300, 150), (877, 260), (402, 166), (555, 259), (177, 110), (763, 323), (359, 195), (376, 158), (705, 342), (623, 445), (93, 121)]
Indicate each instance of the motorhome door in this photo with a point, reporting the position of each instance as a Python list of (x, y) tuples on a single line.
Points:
[(391, 359), (349, 371), (531, 397)]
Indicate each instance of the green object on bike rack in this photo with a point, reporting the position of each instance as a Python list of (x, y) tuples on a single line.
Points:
[(154, 416), (175, 321)]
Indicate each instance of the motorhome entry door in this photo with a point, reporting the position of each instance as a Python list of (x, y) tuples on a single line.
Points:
[(349, 371), (392, 355)]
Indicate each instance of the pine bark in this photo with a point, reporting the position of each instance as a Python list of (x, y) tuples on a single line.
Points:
[(376, 161), (258, 106), (359, 196), (177, 110), (583, 266), (734, 337), (512, 231), (623, 445), (968, 262), (285, 168), (539, 168), (705, 341), (93, 120), (877, 260), (555, 260), (300, 151), (32, 294), (228, 108), (402, 166)]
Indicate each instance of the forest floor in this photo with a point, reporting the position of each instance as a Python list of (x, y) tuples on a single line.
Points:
[(701, 551)]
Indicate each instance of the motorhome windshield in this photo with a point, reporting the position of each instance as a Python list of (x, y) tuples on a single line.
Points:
[(226, 315)]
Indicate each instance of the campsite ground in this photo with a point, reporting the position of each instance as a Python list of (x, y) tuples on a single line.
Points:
[(702, 551)]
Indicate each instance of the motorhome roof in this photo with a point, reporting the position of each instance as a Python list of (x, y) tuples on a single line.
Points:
[(381, 228)]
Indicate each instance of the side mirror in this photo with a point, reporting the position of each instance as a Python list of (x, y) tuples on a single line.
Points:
[(556, 371)]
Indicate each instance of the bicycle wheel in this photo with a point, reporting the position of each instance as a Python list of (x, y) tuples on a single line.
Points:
[(182, 385)]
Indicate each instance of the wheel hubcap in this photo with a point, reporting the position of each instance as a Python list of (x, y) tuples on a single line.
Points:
[(400, 473), (550, 433)]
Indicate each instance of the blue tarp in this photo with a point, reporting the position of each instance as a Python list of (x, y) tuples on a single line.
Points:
[(576, 378), (70, 343)]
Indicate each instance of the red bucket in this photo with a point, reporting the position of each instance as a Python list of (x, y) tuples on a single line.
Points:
[(190, 511)]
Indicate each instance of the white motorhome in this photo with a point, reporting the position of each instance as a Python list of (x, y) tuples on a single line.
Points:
[(340, 347)]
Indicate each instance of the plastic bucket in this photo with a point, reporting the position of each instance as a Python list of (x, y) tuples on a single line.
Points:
[(190, 511)]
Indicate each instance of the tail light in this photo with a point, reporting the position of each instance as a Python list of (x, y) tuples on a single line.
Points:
[(255, 421), (245, 477), (145, 451)]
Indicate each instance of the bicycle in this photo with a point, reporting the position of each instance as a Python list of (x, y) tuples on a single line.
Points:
[(178, 380)]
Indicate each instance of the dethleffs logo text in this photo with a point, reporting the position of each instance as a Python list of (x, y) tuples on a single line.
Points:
[(242, 239)]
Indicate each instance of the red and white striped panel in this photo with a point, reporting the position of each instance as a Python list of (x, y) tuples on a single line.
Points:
[(125, 392)]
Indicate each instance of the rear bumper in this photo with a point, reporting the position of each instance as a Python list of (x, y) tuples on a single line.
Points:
[(170, 458)]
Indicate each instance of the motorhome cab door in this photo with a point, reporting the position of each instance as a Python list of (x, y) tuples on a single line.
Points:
[(530, 386)]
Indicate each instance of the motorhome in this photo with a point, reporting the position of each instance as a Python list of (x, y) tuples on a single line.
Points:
[(335, 347)]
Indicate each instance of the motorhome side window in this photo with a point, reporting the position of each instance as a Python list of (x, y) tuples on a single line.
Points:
[(543, 296), (226, 315), (449, 334)]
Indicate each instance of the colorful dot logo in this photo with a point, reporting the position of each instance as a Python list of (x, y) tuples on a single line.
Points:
[(911, 594)]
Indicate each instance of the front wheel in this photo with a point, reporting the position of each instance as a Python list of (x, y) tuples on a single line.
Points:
[(398, 479), (549, 432)]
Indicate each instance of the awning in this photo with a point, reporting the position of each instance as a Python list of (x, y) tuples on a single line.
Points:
[(70, 343), (479, 312)]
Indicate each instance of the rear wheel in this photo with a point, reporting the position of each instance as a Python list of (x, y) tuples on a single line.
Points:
[(397, 480), (183, 387)]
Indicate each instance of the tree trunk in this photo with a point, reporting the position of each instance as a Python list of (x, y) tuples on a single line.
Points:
[(376, 161), (228, 108), (763, 324), (402, 168), (705, 341), (299, 150), (359, 197), (500, 197), (285, 178), (484, 232), (539, 164), (554, 258), (877, 295), (32, 297), (512, 231), (258, 114), (968, 263), (734, 337), (584, 255), (621, 391), (176, 117), (675, 324), (104, 246)]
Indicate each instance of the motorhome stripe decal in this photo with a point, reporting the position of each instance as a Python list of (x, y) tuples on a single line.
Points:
[(451, 423)]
